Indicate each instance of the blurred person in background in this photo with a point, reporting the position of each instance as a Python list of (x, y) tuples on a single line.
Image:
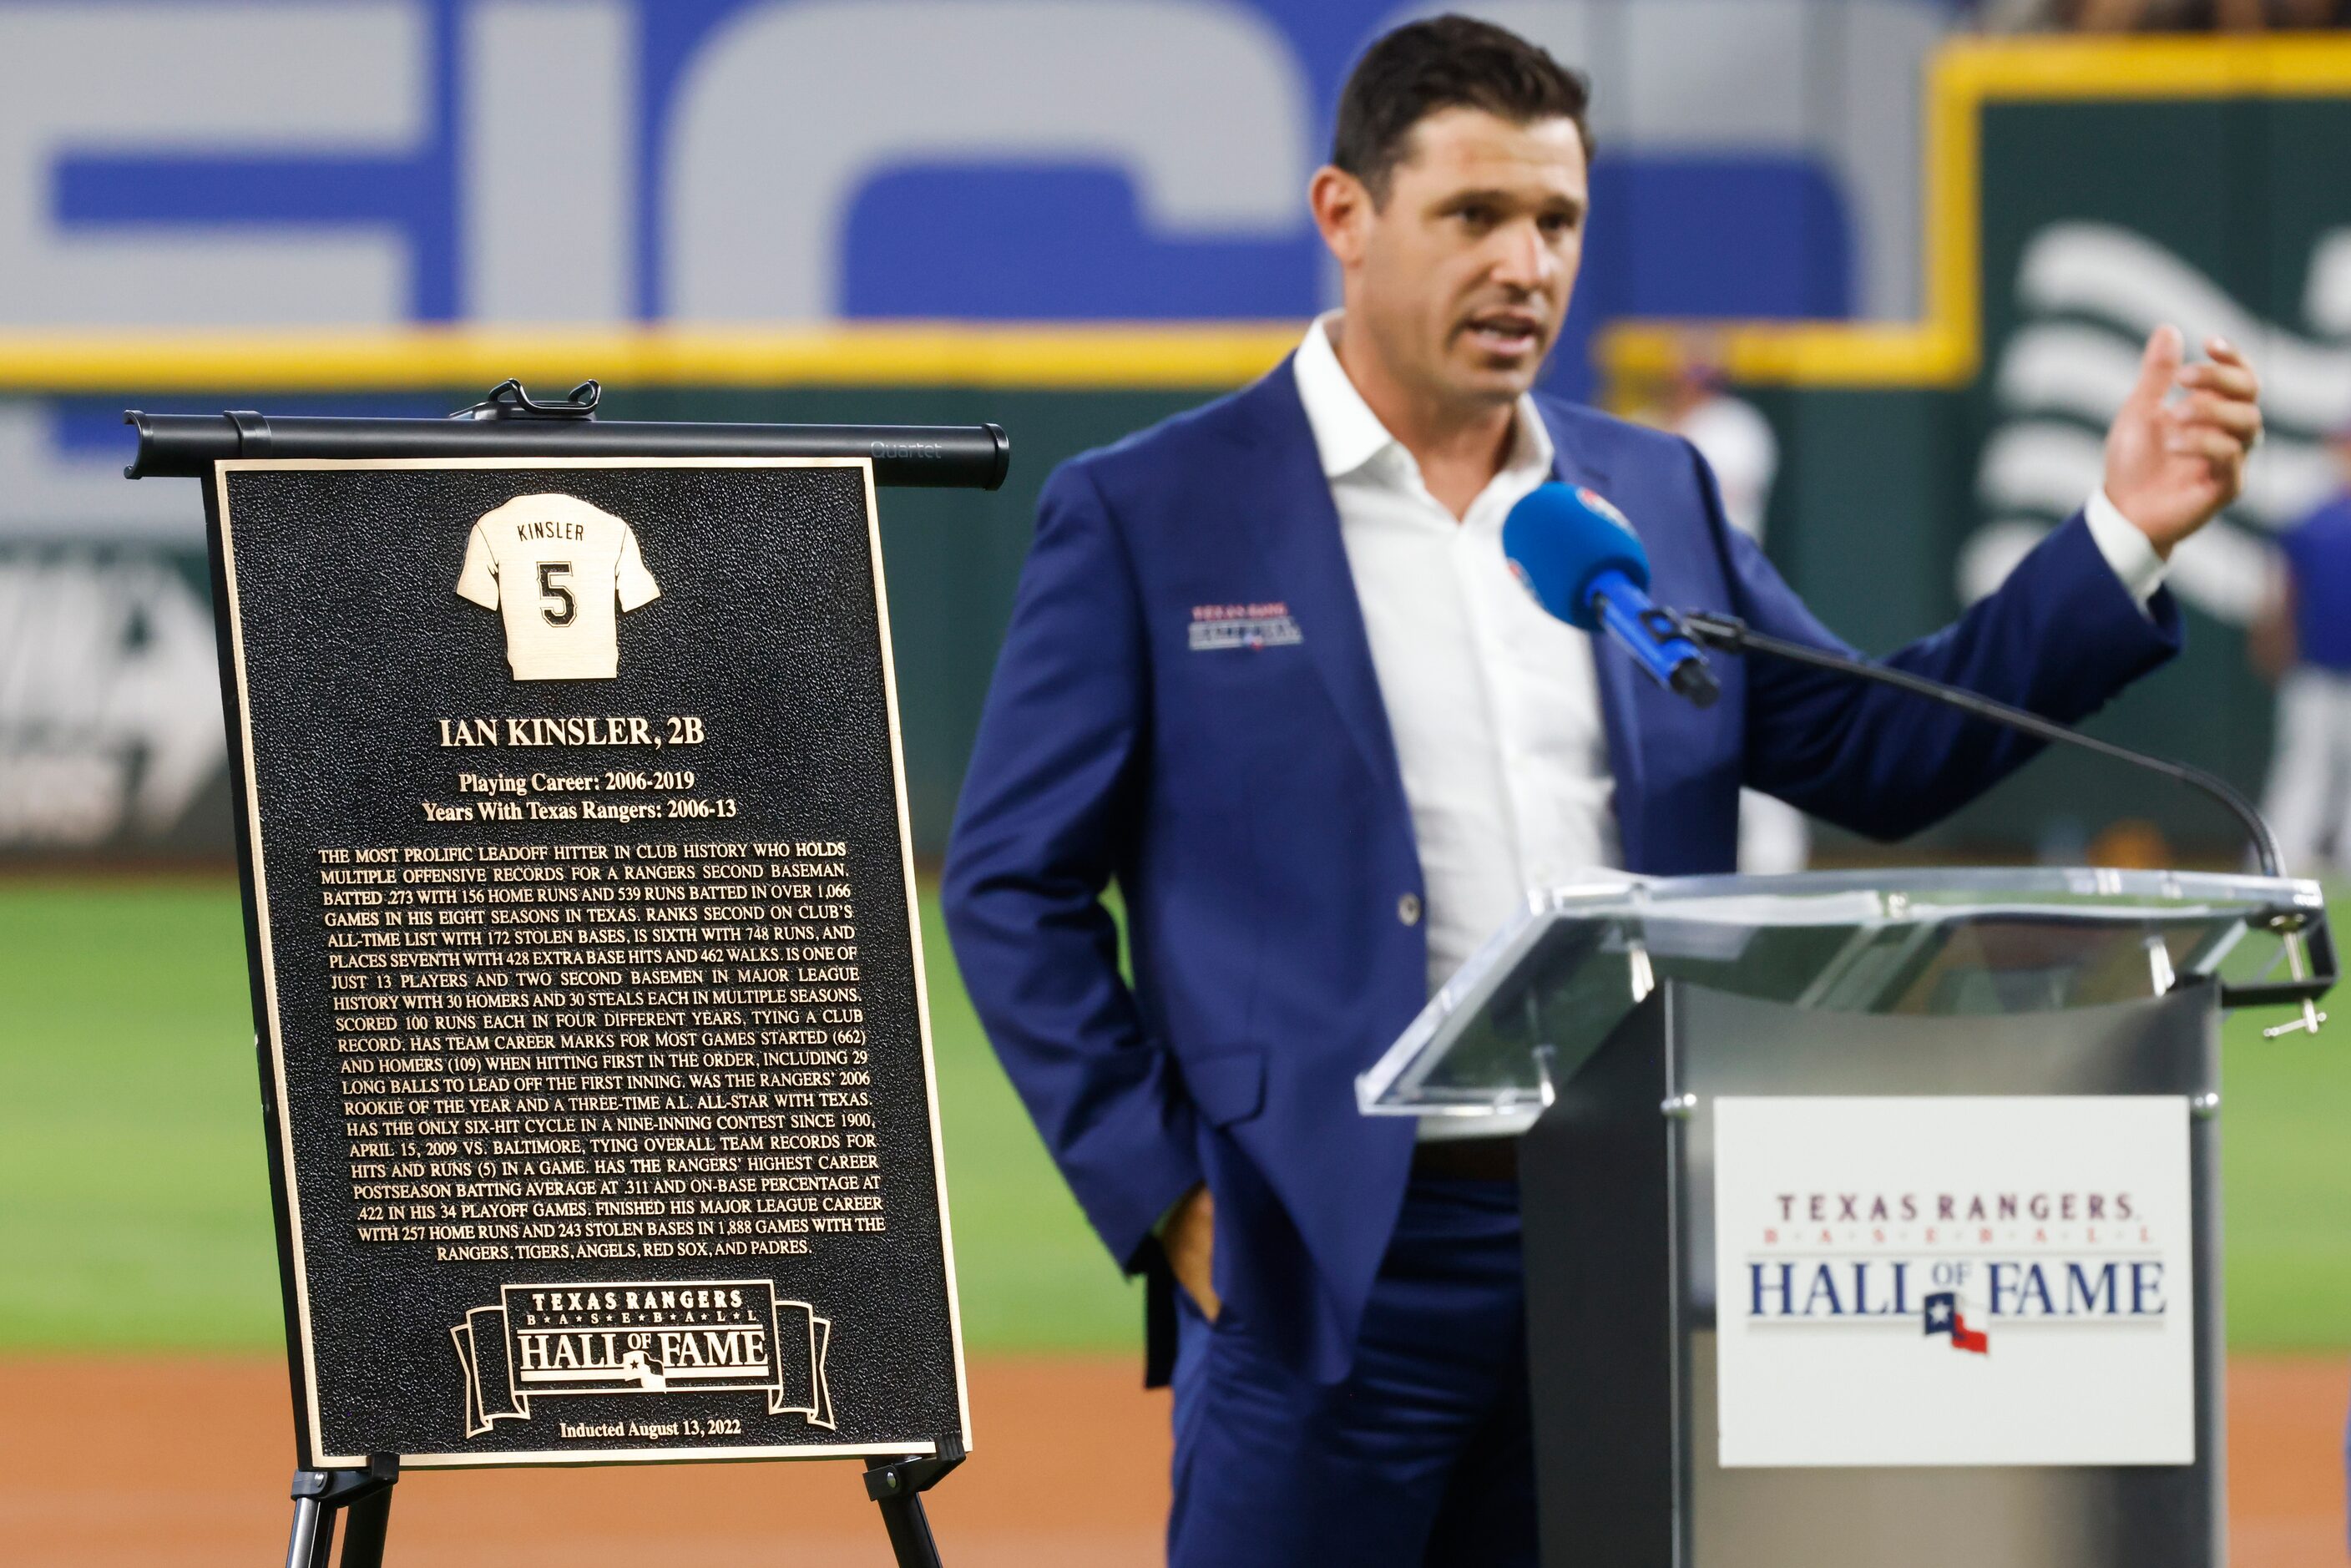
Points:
[(1269, 669), (1736, 443), (2302, 642)]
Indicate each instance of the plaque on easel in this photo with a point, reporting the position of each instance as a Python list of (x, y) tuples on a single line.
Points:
[(586, 964)]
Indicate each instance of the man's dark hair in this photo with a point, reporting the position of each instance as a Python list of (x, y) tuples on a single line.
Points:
[(1447, 62)]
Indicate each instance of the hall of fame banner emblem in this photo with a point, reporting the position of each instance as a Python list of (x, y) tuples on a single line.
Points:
[(1954, 1280), (698, 1336)]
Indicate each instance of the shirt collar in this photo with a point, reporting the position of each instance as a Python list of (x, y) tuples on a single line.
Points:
[(1348, 435)]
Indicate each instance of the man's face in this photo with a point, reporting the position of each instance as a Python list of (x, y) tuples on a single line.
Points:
[(1463, 275)]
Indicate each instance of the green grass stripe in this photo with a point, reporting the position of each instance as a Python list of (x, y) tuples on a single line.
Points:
[(134, 1206)]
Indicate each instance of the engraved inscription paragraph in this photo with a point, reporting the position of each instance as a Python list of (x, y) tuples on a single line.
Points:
[(575, 1052)]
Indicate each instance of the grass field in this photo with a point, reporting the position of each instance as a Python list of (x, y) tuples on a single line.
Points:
[(134, 1208), (134, 1203)]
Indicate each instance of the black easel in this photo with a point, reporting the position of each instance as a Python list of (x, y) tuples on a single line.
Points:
[(896, 1486), (365, 1495)]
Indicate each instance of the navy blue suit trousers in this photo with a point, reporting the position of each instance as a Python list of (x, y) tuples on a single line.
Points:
[(1422, 1457)]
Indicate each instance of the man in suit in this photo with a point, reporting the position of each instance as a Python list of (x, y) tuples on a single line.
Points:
[(1268, 670)]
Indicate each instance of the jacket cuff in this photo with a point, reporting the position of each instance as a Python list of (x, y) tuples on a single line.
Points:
[(2115, 646)]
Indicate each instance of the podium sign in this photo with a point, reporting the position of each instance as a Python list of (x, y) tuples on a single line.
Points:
[(600, 1106), (1954, 1280)]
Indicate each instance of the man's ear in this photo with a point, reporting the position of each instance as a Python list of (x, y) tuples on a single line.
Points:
[(1342, 209)]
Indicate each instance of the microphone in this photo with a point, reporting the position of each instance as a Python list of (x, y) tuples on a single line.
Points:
[(2304, 936), (1581, 561)]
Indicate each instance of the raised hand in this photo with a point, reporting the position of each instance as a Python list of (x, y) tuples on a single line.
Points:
[(2176, 452)]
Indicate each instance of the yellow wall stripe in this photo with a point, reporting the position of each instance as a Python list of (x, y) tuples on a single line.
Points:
[(1941, 349), (1141, 356)]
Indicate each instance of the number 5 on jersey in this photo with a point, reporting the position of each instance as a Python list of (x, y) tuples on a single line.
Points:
[(551, 592)]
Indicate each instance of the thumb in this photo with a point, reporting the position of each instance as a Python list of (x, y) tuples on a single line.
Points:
[(2158, 369)]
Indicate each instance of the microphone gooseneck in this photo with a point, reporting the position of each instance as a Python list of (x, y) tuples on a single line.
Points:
[(1732, 635)]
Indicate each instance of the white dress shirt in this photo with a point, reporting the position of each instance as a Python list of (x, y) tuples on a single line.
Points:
[(1494, 705)]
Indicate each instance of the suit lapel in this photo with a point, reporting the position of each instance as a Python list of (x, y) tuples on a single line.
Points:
[(1620, 683), (1299, 538), (1298, 535)]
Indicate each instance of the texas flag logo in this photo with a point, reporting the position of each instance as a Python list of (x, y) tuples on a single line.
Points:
[(1943, 1317)]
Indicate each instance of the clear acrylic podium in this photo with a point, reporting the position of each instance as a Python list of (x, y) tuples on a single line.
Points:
[(1603, 1024)]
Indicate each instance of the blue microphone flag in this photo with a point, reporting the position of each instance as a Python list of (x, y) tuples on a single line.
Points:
[(1559, 539), (1581, 561)]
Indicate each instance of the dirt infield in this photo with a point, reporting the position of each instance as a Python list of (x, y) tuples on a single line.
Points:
[(1070, 1468)]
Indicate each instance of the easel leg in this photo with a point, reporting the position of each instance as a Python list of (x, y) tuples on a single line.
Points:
[(314, 1532), (910, 1533), (319, 1495), (364, 1524), (896, 1486)]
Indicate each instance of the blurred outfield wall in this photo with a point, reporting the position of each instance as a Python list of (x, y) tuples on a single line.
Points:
[(289, 251), (324, 205)]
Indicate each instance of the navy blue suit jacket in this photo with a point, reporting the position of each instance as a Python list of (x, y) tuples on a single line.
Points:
[(1249, 805)]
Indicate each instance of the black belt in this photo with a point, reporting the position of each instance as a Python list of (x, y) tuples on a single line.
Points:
[(1468, 1160)]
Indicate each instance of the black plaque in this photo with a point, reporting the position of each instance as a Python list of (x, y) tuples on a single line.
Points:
[(585, 958)]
